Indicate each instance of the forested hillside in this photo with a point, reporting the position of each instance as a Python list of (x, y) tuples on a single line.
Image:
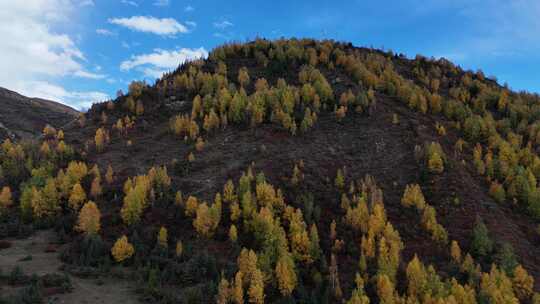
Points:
[(294, 171)]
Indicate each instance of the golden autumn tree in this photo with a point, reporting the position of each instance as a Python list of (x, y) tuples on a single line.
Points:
[(122, 249), (256, 288), (100, 139), (435, 163), (95, 189), (237, 292), (413, 197), (385, 290), (109, 175), (233, 234), (77, 197), (179, 249), (455, 252), (523, 283), (5, 198), (89, 221), (416, 278), (286, 275), (339, 181), (162, 237), (191, 206), (243, 77), (224, 292)]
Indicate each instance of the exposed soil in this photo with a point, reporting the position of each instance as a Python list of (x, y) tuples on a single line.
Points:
[(43, 249), (363, 144), (24, 118)]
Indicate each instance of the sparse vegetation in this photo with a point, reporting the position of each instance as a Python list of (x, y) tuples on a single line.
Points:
[(193, 202)]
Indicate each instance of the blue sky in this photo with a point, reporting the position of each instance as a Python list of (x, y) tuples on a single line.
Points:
[(81, 51)]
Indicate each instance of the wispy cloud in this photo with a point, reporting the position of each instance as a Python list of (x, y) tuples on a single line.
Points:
[(148, 24), (89, 75), (223, 24), (105, 32), (76, 99), (160, 61), (86, 3), (34, 58), (189, 8), (129, 2)]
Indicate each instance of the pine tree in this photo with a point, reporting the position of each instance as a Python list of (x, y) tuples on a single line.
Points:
[(122, 249), (481, 244), (77, 197), (89, 220)]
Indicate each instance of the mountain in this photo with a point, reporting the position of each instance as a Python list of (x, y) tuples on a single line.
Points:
[(304, 171), (23, 117)]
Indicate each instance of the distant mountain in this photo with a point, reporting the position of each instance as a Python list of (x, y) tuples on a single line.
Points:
[(23, 117)]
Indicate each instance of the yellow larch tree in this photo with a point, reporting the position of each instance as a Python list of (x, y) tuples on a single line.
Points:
[(122, 249), (89, 220)]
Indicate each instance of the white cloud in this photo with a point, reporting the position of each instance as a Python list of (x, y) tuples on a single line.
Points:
[(189, 8), (161, 2), (33, 53), (86, 3), (78, 100), (191, 24), (160, 61), (105, 32), (223, 24), (128, 2), (148, 24), (89, 75)]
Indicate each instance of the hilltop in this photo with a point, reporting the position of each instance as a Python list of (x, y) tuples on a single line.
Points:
[(298, 171), (24, 118)]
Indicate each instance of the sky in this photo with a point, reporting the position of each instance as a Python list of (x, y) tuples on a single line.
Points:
[(83, 51)]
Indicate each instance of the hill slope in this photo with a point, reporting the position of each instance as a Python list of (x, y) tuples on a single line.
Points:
[(336, 165), (23, 117)]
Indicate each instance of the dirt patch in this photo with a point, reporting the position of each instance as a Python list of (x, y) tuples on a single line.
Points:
[(35, 255)]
